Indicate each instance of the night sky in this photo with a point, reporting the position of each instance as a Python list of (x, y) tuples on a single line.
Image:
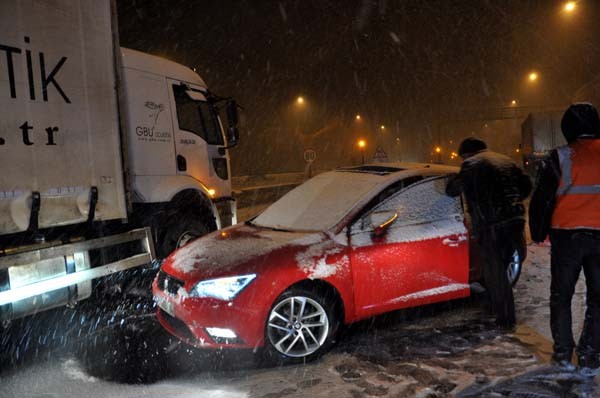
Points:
[(413, 66)]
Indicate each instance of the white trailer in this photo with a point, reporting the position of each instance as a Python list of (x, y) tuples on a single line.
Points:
[(104, 153)]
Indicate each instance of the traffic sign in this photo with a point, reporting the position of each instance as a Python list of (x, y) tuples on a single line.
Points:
[(310, 155), (380, 155)]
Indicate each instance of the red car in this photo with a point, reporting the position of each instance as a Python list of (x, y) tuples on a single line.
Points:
[(345, 245)]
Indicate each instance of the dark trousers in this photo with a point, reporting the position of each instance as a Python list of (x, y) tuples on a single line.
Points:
[(498, 244), (573, 250)]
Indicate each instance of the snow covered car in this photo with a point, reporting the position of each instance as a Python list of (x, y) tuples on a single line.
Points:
[(345, 245)]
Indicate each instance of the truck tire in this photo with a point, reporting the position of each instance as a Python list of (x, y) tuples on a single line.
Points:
[(181, 227)]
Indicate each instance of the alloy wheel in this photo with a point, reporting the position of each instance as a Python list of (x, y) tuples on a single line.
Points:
[(298, 326)]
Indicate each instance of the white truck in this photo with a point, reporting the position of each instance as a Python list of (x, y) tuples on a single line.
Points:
[(105, 152), (540, 133)]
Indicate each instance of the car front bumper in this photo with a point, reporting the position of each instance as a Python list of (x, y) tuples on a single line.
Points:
[(192, 320)]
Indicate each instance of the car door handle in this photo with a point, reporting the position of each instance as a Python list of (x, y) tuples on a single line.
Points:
[(454, 241)]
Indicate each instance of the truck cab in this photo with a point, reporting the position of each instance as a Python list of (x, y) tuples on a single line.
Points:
[(178, 159)]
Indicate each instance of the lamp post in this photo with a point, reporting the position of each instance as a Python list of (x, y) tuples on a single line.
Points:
[(299, 109), (438, 151), (362, 145)]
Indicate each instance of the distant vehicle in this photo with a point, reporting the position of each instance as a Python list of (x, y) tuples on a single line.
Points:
[(540, 133), (105, 152), (345, 245)]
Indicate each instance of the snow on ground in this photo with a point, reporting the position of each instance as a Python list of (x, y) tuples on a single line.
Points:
[(446, 350)]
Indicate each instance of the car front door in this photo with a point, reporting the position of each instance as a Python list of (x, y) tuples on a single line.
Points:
[(419, 257)]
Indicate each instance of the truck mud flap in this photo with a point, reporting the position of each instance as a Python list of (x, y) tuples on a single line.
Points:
[(67, 251)]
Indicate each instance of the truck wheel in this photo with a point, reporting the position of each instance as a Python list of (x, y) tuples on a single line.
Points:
[(181, 228)]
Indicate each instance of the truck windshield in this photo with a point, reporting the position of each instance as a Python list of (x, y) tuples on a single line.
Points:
[(197, 117)]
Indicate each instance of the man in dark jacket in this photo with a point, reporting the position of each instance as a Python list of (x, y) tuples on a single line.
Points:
[(566, 205), (494, 188)]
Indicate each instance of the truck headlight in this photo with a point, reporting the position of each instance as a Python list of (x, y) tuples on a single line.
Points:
[(222, 288)]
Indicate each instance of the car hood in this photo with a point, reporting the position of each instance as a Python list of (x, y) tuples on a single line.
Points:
[(228, 251)]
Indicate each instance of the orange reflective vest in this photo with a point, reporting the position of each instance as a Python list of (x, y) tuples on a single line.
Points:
[(578, 195)]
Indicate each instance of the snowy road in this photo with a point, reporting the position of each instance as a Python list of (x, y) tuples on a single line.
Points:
[(437, 351)]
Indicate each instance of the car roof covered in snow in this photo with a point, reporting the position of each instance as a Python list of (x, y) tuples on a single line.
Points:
[(326, 201)]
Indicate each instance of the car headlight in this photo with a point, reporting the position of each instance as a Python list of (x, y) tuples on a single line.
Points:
[(222, 288)]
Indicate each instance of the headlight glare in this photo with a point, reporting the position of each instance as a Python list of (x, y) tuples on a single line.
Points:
[(222, 288)]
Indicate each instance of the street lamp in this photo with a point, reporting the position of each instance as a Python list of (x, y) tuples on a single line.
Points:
[(299, 109), (357, 117), (382, 127), (533, 76), (513, 102), (362, 144), (438, 151), (570, 6)]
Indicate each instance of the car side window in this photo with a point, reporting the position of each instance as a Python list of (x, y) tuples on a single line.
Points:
[(419, 203), (389, 191)]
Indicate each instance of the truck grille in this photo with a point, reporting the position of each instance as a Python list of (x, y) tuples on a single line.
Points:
[(168, 284)]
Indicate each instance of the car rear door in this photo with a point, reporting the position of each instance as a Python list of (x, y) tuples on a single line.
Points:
[(421, 257)]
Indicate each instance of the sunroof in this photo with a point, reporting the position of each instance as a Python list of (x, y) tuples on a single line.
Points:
[(380, 170)]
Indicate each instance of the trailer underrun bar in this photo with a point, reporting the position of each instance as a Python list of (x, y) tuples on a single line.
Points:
[(19, 293)]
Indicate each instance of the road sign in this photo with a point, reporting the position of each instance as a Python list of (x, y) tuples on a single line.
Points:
[(380, 155), (310, 155)]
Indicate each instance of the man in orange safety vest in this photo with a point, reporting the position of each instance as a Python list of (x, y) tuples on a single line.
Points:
[(566, 205)]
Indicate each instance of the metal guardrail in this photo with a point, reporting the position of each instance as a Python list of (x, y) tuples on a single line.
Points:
[(264, 181), (266, 188)]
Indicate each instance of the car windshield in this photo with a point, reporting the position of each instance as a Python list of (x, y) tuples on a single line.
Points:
[(318, 204)]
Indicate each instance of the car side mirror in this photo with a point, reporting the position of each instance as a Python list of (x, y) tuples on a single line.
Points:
[(381, 221)]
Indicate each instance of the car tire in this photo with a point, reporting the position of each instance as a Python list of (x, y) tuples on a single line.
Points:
[(311, 328), (180, 228), (513, 270)]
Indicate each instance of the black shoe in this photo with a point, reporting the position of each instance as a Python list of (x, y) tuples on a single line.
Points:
[(589, 365), (564, 365), (562, 359), (561, 355), (506, 326), (589, 372)]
